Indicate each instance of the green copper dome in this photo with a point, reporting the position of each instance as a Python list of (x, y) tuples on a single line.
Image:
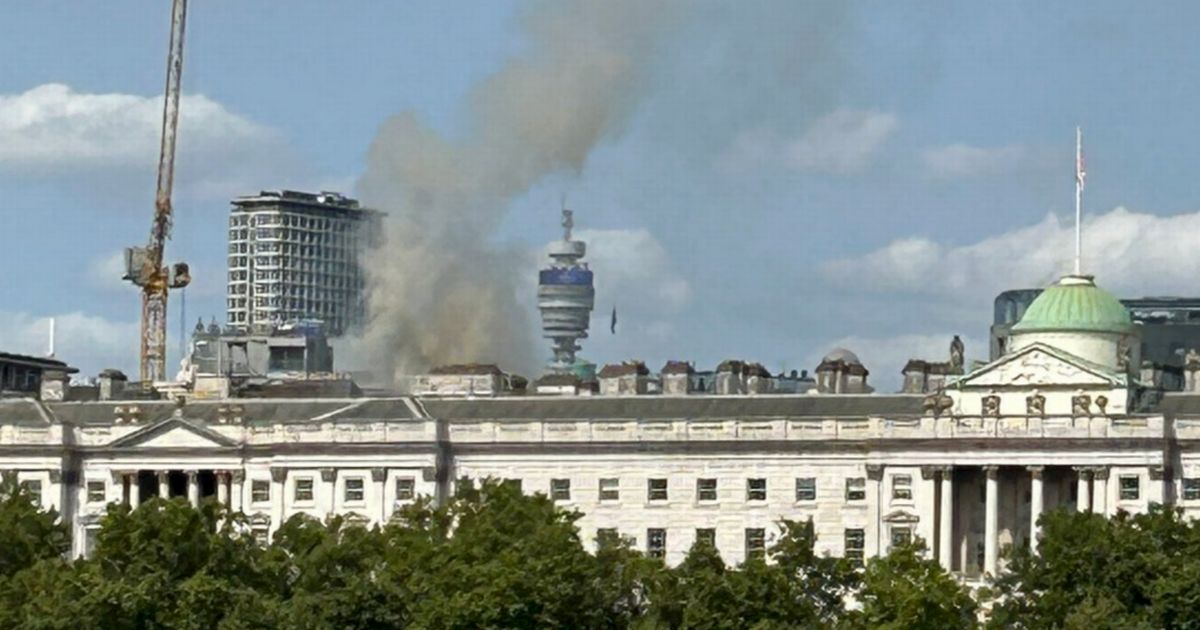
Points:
[(1075, 303)]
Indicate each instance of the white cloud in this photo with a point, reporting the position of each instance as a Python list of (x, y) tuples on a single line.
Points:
[(632, 266), (962, 160), (842, 141), (109, 144), (52, 127), (106, 271), (85, 341), (884, 357), (1130, 253)]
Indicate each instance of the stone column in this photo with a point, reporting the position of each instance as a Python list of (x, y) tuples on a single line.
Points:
[(1100, 490), (117, 486), (946, 519), (164, 484), (237, 490), (223, 488), (991, 529), (329, 478), (135, 492), (1036, 501), (278, 477), (193, 487), (874, 542), (1083, 495), (379, 478)]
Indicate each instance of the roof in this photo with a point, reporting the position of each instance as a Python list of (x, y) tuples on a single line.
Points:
[(678, 367), (1075, 303), (44, 363), (930, 367), (647, 407), (267, 411), (628, 368), (843, 355), (467, 368)]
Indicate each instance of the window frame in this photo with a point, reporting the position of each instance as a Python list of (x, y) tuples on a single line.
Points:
[(753, 494), (1194, 491), (756, 542), (856, 489), (255, 486), (405, 493), (706, 494), (310, 487), (810, 480), (653, 550), (652, 491), (89, 491), (610, 494), (1136, 489), (902, 491), (900, 535), (562, 492), (361, 490), (857, 552)]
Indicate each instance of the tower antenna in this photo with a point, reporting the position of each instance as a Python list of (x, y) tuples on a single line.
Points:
[(1079, 177)]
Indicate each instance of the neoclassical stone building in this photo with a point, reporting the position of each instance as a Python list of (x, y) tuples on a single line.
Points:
[(1058, 421)]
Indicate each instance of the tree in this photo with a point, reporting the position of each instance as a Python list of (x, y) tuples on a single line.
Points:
[(27, 532), (904, 589)]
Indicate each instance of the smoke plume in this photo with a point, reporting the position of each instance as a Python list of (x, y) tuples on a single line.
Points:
[(440, 289)]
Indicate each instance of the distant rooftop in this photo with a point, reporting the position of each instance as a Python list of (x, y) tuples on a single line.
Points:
[(322, 200)]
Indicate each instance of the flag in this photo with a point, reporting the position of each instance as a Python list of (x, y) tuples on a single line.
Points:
[(613, 325)]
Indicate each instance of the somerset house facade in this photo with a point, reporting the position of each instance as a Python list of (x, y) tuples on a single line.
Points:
[(1059, 420)]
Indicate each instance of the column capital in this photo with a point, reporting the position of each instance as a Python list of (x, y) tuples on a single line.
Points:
[(161, 474), (279, 474), (118, 476), (929, 472), (56, 475), (1036, 471), (328, 474), (1084, 472), (378, 474), (191, 474), (991, 470), (875, 472), (1157, 473), (1100, 472), (238, 475)]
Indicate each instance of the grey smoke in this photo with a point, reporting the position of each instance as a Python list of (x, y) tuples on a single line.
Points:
[(440, 289)]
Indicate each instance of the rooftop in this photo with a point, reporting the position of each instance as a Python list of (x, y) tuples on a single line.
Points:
[(1075, 303)]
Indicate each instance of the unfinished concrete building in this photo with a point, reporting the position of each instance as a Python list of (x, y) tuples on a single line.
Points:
[(296, 256)]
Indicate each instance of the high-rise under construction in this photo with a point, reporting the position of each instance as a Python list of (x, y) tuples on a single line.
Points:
[(297, 256)]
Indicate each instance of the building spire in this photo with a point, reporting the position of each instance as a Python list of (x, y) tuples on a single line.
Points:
[(1079, 177)]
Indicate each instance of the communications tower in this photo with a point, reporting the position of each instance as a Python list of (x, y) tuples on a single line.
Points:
[(566, 296)]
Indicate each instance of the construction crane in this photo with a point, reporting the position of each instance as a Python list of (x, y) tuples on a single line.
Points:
[(144, 265)]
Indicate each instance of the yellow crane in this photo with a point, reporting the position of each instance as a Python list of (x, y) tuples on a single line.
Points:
[(144, 265)]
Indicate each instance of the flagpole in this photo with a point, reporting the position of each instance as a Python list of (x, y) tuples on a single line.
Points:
[(1078, 201)]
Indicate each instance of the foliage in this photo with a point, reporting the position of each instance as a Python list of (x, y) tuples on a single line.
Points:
[(490, 557)]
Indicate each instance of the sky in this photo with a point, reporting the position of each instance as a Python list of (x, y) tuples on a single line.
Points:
[(775, 180)]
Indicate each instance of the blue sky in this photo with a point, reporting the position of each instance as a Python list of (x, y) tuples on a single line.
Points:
[(782, 178)]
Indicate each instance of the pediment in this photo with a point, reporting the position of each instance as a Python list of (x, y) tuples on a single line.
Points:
[(173, 433), (1039, 366), (901, 517)]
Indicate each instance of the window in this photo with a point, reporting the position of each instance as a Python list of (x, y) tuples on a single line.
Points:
[(260, 491), (304, 489), (756, 542), (610, 489), (560, 489), (1191, 488), (902, 487), (405, 488), (1130, 487), (756, 489), (706, 489), (354, 489), (656, 490), (901, 536), (854, 544), (706, 536), (34, 488), (656, 543), (96, 492), (856, 489), (261, 535), (806, 488)]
